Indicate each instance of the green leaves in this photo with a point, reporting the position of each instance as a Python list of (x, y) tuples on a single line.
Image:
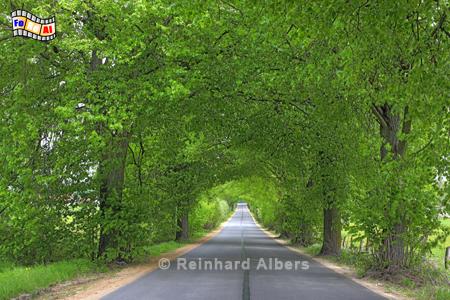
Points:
[(278, 104)]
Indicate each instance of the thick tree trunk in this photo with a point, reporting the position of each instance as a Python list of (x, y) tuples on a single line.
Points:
[(111, 174), (183, 227), (331, 232), (331, 244), (393, 251), (393, 248)]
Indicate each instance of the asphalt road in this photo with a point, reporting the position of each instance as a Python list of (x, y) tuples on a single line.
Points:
[(242, 262)]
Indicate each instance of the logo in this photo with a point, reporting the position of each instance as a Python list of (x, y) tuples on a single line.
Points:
[(28, 25)]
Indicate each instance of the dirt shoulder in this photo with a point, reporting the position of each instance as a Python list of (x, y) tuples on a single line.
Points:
[(98, 285)]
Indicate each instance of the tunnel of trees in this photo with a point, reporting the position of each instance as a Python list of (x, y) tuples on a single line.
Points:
[(144, 121)]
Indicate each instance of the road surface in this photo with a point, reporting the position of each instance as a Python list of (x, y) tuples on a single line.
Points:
[(242, 262)]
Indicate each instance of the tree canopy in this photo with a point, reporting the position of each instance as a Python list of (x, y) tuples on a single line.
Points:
[(144, 120)]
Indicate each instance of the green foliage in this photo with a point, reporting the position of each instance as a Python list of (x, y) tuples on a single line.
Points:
[(208, 214), (141, 115), (441, 293)]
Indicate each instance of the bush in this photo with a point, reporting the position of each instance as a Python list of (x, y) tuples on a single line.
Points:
[(208, 214)]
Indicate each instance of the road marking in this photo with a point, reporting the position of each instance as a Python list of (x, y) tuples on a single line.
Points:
[(246, 278)]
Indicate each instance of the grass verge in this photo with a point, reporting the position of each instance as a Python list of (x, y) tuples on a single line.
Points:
[(19, 280), (164, 247)]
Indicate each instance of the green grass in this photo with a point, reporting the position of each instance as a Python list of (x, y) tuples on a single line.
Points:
[(199, 234), (158, 249), (313, 249), (437, 253), (357, 261), (164, 247), (19, 280)]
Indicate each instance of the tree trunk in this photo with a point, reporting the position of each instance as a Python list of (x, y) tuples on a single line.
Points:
[(331, 244), (393, 247), (393, 251), (111, 175), (183, 227), (331, 232)]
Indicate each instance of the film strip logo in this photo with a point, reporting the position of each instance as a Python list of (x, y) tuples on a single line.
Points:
[(28, 25)]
